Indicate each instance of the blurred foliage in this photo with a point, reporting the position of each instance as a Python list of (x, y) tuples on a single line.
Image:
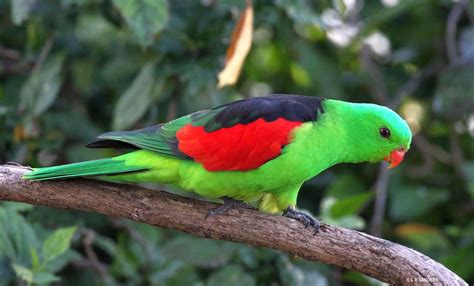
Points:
[(20, 246), (71, 69)]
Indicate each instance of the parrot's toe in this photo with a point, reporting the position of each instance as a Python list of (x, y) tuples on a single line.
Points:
[(227, 205), (303, 217)]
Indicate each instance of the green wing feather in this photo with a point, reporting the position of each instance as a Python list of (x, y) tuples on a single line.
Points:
[(160, 138)]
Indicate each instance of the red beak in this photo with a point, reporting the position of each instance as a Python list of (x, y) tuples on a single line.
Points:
[(395, 158)]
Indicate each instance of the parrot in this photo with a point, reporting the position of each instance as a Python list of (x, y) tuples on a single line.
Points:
[(252, 152)]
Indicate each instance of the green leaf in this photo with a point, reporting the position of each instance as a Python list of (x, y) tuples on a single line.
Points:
[(347, 221), (6, 272), (20, 10), (326, 78), (105, 244), (457, 258), (44, 277), (17, 207), (174, 273), (428, 242), (125, 263), (300, 11), (23, 272), (146, 18), (405, 201), (35, 263), (57, 243), (135, 101), (351, 221), (383, 16), (232, 4), (61, 261), (95, 31), (345, 185), (69, 122), (16, 237), (66, 3), (199, 252), (232, 275), (41, 89), (292, 274), (356, 278), (247, 256), (3, 110), (299, 75), (350, 205)]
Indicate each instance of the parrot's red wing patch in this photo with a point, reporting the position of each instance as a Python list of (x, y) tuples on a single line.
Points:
[(240, 147)]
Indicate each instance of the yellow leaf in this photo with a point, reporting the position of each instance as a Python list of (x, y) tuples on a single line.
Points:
[(413, 228), (19, 133), (239, 48)]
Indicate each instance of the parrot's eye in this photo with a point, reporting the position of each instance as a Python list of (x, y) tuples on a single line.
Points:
[(384, 132)]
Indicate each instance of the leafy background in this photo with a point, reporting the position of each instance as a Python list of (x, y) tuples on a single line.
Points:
[(72, 69)]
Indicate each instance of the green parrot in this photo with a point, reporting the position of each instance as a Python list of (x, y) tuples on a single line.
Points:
[(258, 150)]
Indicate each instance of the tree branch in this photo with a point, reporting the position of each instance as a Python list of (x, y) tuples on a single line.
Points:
[(380, 188), (378, 88), (381, 259), (451, 30)]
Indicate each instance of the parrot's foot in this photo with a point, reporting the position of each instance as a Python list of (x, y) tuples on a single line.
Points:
[(305, 218), (228, 204)]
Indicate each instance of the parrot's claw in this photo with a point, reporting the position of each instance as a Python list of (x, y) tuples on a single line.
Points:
[(227, 205), (305, 218)]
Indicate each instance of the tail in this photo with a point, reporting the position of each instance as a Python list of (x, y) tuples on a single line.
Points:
[(107, 166)]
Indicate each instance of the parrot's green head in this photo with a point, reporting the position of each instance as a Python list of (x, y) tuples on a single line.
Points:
[(376, 133)]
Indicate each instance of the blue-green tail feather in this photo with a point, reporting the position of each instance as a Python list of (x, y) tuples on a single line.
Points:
[(101, 167)]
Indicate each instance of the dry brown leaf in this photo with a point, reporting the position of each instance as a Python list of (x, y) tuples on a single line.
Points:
[(239, 48), (19, 133), (413, 228)]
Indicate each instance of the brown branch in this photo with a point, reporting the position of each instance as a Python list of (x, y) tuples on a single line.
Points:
[(414, 82), (24, 66), (381, 186), (377, 86), (457, 154), (9, 53), (44, 53), (431, 149), (451, 30), (101, 269), (381, 259)]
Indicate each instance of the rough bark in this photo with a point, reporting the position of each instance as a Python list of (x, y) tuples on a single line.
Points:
[(379, 258)]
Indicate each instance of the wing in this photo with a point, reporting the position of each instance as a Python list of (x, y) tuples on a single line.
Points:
[(241, 135), (160, 138)]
